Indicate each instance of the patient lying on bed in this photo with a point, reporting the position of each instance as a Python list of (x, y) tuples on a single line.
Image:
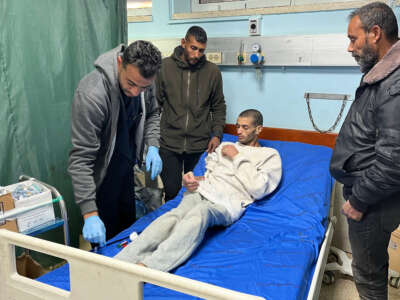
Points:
[(236, 175)]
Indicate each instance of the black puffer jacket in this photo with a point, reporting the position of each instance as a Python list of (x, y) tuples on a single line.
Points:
[(366, 158)]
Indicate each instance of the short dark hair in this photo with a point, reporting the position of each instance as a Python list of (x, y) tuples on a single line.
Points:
[(254, 114), (378, 13), (143, 55), (198, 33)]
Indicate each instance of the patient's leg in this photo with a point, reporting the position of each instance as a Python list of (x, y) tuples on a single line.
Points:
[(187, 236), (159, 230)]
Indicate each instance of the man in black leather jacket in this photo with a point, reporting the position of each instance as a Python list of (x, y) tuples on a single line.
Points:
[(366, 158)]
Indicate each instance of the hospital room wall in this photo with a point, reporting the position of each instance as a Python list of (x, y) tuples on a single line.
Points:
[(279, 95)]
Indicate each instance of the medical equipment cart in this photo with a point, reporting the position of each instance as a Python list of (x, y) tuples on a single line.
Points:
[(55, 223)]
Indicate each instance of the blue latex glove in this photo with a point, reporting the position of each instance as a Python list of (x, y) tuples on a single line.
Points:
[(94, 231), (153, 159)]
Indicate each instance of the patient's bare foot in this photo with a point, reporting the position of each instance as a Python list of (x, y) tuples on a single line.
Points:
[(141, 264)]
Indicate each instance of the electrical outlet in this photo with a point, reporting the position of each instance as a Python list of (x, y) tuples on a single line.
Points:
[(214, 57), (254, 25)]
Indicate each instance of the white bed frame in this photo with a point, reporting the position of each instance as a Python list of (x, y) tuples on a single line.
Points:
[(94, 276)]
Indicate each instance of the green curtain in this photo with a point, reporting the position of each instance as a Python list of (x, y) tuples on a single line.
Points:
[(46, 47)]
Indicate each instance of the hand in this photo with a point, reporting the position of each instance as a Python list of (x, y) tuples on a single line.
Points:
[(350, 212), (229, 151), (153, 159), (94, 230), (213, 144), (190, 182)]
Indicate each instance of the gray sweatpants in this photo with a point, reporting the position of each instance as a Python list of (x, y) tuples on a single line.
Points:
[(170, 239)]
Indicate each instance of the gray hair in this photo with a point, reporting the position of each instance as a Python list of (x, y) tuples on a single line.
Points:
[(380, 14)]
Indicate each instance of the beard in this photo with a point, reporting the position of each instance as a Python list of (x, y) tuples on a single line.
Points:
[(367, 59), (247, 139), (192, 62)]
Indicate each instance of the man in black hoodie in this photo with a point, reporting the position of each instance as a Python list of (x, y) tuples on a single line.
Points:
[(366, 158), (189, 92)]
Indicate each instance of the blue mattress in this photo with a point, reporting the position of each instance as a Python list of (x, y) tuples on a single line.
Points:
[(272, 250)]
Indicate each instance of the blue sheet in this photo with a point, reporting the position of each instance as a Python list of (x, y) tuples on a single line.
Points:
[(272, 250)]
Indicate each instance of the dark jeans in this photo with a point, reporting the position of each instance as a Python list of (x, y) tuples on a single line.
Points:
[(369, 241), (173, 164)]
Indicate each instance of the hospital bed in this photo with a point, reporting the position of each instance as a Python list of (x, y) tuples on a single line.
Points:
[(277, 250)]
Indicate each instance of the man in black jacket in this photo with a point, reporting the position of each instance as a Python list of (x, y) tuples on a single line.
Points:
[(189, 92), (366, 158)]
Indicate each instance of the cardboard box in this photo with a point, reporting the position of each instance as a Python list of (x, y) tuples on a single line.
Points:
[(7, 203), (394, 251), (38, 216)]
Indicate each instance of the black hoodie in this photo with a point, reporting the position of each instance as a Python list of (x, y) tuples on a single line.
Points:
[(192, 103)]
